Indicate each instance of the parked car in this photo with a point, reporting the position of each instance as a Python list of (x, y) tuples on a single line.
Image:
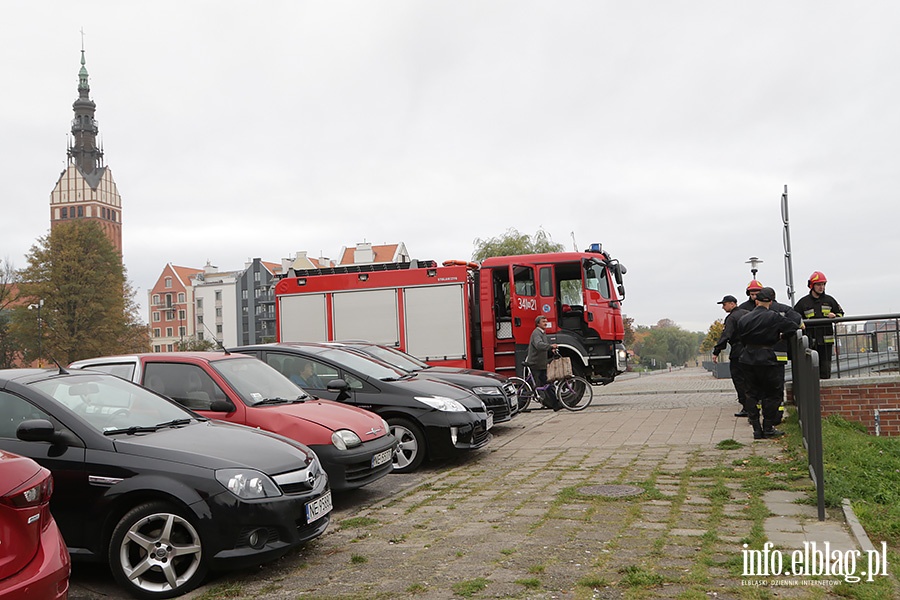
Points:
[(354, 445), (160, 493), (497, 393), (430, 419), (34, 561)]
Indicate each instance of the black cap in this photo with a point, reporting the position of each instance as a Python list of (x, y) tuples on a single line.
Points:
[(765, 295), (728, 299)]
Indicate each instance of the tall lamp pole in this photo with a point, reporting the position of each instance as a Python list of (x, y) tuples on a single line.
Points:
[(753, 262), (40, 331)]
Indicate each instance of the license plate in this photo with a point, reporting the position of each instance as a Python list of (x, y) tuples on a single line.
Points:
[(490, 421), (319, 507), (382, 457)]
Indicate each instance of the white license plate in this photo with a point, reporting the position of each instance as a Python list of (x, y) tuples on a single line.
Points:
[(318, 507), (382, 457), (490, 420)]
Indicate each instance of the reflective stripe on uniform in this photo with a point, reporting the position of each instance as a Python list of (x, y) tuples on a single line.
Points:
[(781, 356)]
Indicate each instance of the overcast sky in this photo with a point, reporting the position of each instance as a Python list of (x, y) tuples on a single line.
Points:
[(665, 130)]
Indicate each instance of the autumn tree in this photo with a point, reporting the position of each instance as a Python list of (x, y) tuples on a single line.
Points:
[(88, 304), (712, 336), (513, 242), (666, 343), (628, 325), (8, 296)]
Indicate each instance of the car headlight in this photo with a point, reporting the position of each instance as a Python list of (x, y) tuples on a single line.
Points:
[(247, 483), (344, 438), (387, 428), (487, 391), (441, 403)]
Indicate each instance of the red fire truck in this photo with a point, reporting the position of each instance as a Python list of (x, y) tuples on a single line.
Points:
[(466, 314)]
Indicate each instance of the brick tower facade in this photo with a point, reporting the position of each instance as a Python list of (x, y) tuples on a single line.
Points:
[(86, 189)]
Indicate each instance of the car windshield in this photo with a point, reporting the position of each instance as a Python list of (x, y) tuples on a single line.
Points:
[(362, 364), (399, 359), (258, 383), (108, 403)]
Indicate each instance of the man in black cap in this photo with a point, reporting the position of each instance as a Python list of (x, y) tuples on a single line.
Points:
[(782, 348), (759, 331), (729, 336)]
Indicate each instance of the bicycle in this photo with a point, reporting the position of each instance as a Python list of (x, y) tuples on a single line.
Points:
[(574, 393)]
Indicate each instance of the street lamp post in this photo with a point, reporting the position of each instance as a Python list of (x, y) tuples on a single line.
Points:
[(40, 331)]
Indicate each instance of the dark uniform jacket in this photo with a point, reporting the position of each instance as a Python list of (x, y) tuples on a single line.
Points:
[(811, 307), (749, 304), (759, 331), (729, 335)]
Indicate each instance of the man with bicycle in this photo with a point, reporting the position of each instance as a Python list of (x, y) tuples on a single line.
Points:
[(538, 346)]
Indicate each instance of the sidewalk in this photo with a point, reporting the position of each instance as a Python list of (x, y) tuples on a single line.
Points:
[(625, 499)]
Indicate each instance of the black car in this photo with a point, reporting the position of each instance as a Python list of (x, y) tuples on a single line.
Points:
[(159, 492), (497, 393), (430, 419)]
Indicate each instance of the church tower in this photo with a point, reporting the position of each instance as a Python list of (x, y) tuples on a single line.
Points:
[(86, 189)]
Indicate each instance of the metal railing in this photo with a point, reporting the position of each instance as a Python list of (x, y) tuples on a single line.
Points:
[(805, 381), (865, 345)]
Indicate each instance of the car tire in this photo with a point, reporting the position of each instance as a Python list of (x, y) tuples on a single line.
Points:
[(156, 552), (410, 451)]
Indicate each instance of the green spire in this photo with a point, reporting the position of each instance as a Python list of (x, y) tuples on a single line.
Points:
[(83, 75)]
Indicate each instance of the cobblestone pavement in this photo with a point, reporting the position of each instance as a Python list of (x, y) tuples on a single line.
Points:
[(519, 519)]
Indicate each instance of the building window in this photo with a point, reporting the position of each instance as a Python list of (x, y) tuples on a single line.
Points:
[(65, 213), (200, 335), (256, 276), (199, 303), (169, 300), (200, 319), (80, 211), (170, 315), (218, 329), (155, 298), (181, 315), (168, 332), (218, 312), (156, 332), (168, 282), (243, 294), (169, 348), (218, 295), (181, 296), (156, 348), (155, 316), (182, 331)]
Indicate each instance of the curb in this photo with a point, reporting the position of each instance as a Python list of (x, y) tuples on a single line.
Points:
[(856, 528)]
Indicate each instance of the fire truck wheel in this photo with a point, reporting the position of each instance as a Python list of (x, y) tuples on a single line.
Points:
[(410, 450)]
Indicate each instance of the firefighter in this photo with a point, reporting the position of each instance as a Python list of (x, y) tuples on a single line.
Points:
[(752, 287), (759, 331), (816, 305), (782, 348), (729, 336)]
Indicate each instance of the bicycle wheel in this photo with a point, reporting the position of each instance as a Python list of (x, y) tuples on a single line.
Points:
[(524, 392), (575, 393)]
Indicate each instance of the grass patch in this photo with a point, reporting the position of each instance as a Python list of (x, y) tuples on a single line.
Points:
[(507, 551), (637, 576), (469, 588), (536, 569), (729, 444), (593, 582), (532, 583), (357, 522), (358, 559), (223, 590), (416, 588)]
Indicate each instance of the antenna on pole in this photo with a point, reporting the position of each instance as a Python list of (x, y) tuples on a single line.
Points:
[(788, 259), (574, 243)]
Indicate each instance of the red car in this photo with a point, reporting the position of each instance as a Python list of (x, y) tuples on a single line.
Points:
[(34, 561), (354, 445)]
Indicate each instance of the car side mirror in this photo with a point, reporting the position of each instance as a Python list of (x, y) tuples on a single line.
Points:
[(42, 430), (223, 406), (341, 387)]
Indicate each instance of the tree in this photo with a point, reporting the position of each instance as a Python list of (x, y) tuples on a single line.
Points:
[(88, 305), (712, 336), (512, 242), (628, 324), (8, 297), (196, 345), (666, 343)]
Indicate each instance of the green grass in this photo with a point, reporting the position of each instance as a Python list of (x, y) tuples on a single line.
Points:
[(469, 588)]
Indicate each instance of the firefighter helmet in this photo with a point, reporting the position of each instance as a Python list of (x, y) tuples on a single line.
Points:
[(754, 286), (816, 277)]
